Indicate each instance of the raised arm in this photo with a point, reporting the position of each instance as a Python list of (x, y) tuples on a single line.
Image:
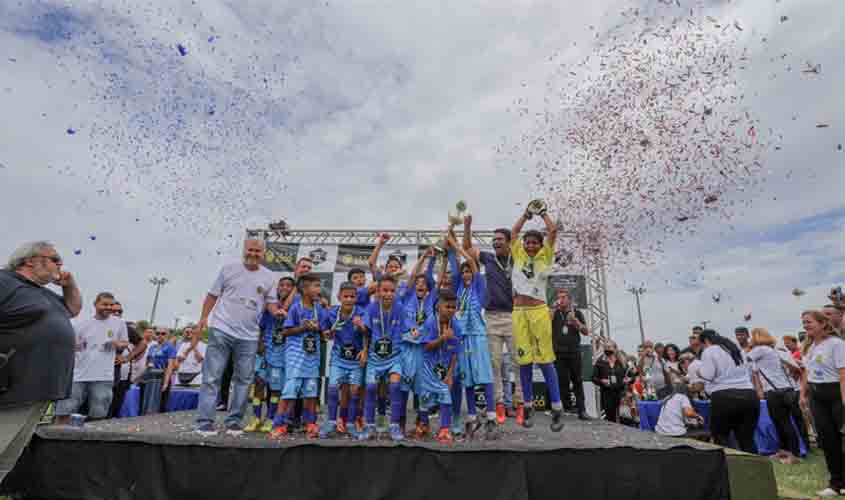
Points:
[(455, 271), (372, 261), (551, 229), (467, 241), (517, 226)]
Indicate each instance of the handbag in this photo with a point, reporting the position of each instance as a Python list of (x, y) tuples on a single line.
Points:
[(790, 395), (186, 378)]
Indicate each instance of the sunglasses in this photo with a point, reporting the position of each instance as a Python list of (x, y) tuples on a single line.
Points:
[(55, 259)]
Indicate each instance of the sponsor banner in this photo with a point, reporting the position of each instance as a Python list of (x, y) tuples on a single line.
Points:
[(323, 256), (407, 254), (575, 283), (352, 256), (281, 257)]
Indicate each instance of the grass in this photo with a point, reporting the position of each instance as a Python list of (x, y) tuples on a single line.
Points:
[(802, 480)]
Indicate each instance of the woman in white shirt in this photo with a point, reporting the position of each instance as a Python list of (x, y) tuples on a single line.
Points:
[(734, 403), (823, 385), (675, 410), (773, 383)]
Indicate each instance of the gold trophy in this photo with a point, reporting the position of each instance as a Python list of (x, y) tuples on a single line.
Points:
[(454, 219)]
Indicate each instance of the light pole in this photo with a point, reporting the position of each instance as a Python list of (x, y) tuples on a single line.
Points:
[(637, 291), (158, 283)]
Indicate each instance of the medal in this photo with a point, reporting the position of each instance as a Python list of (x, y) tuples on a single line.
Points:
[(309, 344)]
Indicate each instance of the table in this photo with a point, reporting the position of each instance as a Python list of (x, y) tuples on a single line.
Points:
[(181, 398), (765, 437)]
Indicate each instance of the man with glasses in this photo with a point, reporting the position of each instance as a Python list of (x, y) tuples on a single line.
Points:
[(37, 343), (159, 353)]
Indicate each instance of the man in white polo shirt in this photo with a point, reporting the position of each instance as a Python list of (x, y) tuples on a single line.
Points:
[(231, 311), (97, 340)]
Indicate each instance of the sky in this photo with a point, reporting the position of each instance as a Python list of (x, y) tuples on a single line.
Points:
[(148, 135)]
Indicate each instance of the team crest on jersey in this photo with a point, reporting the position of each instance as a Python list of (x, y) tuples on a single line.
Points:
[(520, 352), (260, 290), (109, 334)]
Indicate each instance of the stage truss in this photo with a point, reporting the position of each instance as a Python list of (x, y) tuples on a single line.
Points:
[(595, 275)]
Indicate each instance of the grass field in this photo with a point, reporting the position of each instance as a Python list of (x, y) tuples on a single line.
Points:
[(802, 480)]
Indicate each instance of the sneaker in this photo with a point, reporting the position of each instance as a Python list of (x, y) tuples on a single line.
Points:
[(254, 425), (366, 433), (491, 430), (527, 417), (328, 429), (500, 413), (445, 437), (221, 407), (278, 432), (341, 427), (557, 425), (421, 431), (206, 430), (312, 431), (457, 429), (234, 430), (396, 433), (520, 415), (827, 492), (359, 423), (471, 427), (266, 427), (381, 424)]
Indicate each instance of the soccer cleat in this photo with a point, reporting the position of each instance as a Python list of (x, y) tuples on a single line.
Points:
[(445, 437), (278, 432), (527, 417), (491, 430), (206, 430), (266, 427), (396, 433), (366, 433), (359, 423), (500, 413), (312, 431), (328, 430), (341, 427), (557, 424), (254, 425), (520, 414), (421, 432)]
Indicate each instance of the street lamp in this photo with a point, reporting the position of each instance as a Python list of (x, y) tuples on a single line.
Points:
[(637, 291), (158, 283)]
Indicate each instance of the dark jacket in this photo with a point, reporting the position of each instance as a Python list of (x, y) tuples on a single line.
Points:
[(566, 339), (602, 370)]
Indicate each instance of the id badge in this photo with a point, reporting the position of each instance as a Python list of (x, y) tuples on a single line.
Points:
[(384, 347), (309, 344), (347, 352), (613, 379), (440, 371)]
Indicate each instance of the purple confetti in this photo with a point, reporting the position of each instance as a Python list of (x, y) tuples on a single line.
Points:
[(183, 51), (71, 131)]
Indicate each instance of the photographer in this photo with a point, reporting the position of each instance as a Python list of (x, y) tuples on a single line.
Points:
[(37, 343)]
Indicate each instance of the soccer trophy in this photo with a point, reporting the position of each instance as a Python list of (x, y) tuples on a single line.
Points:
[(454, 219)]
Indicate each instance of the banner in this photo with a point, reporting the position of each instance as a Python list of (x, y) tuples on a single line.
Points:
[(281, 257), (575, 283)]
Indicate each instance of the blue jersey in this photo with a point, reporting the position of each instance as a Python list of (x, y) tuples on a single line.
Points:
[(471, 299), (274, 341), (416, 310), (158, 355), (385, 329), (348, 341), (362, 296), (436, 362), (302, 351)]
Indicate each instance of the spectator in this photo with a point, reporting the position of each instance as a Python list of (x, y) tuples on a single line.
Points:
[(741, 334), (653, 371), (735, 406), (568, 325), (694, 343), (117, 310), (231, 311), (36, 343), (158, 356), (628, 413), (671, 362), (773, 383), (659, 350), (97, 340), (123, 370), (824, 389), (689, 365), (189, 359), (609, 376), (791, 344), (675, 411), (834, 314), (138, 357)]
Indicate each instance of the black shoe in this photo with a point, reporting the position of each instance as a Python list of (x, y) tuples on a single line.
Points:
[(582, 415), (557, 425), (491, 430), (470, 428), (528, 421)]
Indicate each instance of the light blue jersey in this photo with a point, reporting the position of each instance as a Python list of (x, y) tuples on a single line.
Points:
[(302, 351)]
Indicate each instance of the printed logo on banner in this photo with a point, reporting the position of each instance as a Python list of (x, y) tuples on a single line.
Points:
[(352, 256), (323, 256), (281, 257), (575, 283), (407, 254)]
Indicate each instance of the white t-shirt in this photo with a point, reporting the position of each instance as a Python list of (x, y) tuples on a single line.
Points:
[(824, 360), (190, 363), (241, 297), (124, 368), (721, 373), (766, 361), (671, 420), (692, 372), (653, 367), (140, 364), (94, 361)]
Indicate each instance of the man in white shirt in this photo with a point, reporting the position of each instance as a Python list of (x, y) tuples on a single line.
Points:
[(231, 311), (97, 339), (187, 366)]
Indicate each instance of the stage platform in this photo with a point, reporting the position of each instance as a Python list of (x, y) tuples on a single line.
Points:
[(160, 457)]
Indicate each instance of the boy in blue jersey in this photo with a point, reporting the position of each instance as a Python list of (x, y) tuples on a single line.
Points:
[(385, 325), (302, 331), (441, 335), (364, 292), (474, 361), (345, 325)]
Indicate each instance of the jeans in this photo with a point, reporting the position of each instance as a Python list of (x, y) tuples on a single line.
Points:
[(220, 346), (735, 410), (826, 406), (98, 394)]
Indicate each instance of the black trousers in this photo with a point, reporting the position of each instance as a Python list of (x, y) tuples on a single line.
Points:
[(826, 406), (118, 395), (779, 405), (798, 416), (568, 368), (737, 411), (610, 404)]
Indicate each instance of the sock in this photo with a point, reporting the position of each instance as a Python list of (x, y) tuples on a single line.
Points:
[(308, 416), (457, 398), (526, 374), (352, 411), (333, 398), (471, 409), (488, 396), (256, 408), (423, 414), (550, 375), (445, 416), (370, 404), (283, 418), (395, 402), (273, 406), (382, 406), (403, 410)]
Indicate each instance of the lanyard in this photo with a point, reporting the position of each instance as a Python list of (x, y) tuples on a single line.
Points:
[(508, 264), (381, 315), (420, 310), (339, 322), (462, 306)]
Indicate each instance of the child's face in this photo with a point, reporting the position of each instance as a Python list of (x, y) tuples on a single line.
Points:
[(312, 290), (531, 245), (387, 291), (466, 274), (285, 288), (358, 279), (393, 266), (446, 309), (421, 286), (347, 298)]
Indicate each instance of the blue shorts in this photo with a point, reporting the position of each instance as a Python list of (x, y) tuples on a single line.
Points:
[(275, 377), (476, 367), (412, 359), (260, 371), (433, 393), (339, 375), (380, 370), (295, 388)]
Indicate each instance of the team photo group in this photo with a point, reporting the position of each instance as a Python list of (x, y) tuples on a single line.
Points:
[(402, 340)]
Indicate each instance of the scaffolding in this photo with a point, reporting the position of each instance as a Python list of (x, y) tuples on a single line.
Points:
[(594, 272)]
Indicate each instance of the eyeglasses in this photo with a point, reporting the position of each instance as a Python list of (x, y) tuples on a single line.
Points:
[(55, 259)]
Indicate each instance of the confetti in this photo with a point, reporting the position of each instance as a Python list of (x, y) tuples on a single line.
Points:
[(797, 292), (183, 51), (77, 252), (71, 131)]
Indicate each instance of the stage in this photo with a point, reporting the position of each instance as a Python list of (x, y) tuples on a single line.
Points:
[(159, 457)]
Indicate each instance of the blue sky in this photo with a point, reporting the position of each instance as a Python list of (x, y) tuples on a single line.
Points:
[(375, 114)]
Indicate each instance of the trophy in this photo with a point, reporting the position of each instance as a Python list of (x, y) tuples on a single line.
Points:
[(536, 207), (454, 219)]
